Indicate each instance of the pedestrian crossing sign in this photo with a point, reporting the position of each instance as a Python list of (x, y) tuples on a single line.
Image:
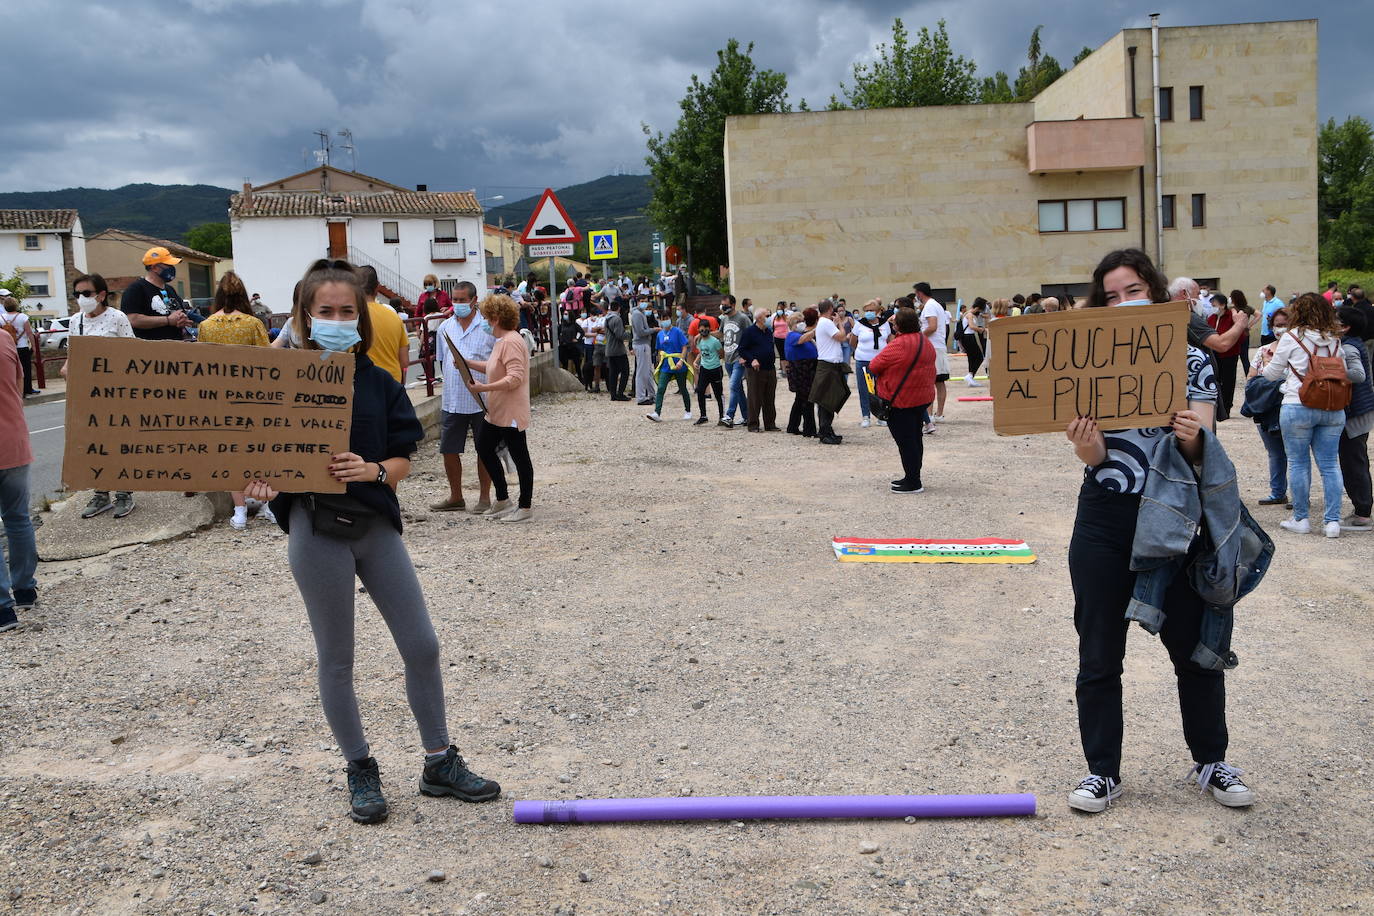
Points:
[(604, 245)]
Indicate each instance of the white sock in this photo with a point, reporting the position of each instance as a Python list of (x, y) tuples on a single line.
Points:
[(240, 512)]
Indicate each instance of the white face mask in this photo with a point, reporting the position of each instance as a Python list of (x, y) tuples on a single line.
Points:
[(1135, 302), (87, 304)]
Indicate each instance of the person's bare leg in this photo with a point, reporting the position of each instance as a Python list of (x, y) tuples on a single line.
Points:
[(940, 398), (453, 470)]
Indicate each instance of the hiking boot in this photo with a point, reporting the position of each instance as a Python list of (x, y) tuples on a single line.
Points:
[(1223, 781), (123, 505), (365, 792), (25, 598), (99, 503), (8, 619), (1094, 793), (449, 775)]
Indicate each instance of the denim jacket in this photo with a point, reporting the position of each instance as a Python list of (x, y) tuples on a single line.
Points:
[(1228, 560)]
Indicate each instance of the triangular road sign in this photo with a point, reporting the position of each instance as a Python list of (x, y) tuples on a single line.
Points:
[(549, 223)]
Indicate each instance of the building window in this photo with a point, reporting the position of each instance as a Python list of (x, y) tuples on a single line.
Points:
[(1195, 103), (1166, 103), (33, 242), (450, 286), (1084, 215), (1167, 211), (1199, 209), (445, 230), (391, 232), (38, 280)]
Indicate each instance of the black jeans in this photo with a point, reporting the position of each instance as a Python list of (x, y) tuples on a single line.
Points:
[(824, 419), (26, 360), (974, 349), (905, 425), (1226, 384), (571, 354), (762, 386), (618, 374), (1100, 569), (489, 437), (803, 416), (710, 378), (1354, 457)]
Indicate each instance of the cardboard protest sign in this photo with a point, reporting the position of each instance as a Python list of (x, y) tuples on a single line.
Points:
[(162, 415), (1125, 366)]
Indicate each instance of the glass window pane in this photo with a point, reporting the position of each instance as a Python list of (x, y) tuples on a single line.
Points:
[(1195, 103), (1168, 210), (1052, 216), (1111, 214), (1166, 103), (1199, 209), (445, 230), (1080, 215), (391, 232)]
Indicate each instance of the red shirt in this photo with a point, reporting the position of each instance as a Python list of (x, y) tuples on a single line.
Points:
[(891, 364), (1223, 322), (696, 322), (14, 431)]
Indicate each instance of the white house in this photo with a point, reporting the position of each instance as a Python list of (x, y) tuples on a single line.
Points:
[(48, 248), (280, 227)]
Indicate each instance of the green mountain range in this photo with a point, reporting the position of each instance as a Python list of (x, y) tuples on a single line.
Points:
[(613, 202), (162, 211)]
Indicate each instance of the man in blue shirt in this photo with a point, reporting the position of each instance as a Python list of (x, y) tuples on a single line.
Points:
[(1272, 303)]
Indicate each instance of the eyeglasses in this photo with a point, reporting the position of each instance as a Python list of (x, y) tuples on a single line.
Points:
[(78, 293)]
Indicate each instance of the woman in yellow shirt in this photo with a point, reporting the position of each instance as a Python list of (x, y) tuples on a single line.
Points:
[(233, 322)]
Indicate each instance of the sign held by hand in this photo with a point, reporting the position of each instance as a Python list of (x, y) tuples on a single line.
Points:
[(1127, 367)]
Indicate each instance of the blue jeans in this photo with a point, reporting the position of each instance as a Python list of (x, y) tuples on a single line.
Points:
[(1278, 462), (737, 398), (1318, 431), (18, 572), (861, 382)]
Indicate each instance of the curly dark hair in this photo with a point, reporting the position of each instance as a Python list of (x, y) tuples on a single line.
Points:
[(1136, 260)]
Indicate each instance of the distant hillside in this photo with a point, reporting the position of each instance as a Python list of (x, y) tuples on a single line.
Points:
[(163, 211), (613, 202)]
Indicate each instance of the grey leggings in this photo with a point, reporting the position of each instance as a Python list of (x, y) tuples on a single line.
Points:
[(324, 568)]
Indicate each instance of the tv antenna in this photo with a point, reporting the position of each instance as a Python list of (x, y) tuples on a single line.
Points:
[(322, 154), (347, 136)]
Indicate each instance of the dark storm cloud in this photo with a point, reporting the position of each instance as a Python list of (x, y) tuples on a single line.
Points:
[(505, 98)]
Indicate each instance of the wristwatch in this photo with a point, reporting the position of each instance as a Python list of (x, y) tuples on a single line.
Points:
[(381, 472)]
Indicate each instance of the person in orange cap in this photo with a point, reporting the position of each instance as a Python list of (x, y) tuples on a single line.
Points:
[(154, 308)]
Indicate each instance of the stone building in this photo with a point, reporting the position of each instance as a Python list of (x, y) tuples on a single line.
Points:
[(990, 200)]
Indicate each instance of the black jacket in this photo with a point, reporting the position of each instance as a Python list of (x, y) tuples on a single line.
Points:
[(384, 426), (756, 343)]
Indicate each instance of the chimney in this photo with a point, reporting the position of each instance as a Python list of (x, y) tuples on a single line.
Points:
[(422, 187), (247, 197)]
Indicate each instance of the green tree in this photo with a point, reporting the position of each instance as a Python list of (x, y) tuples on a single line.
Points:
[(687, 167), (1041, 70), (910, 75), (211, 238), (1345, 193), (1082, 55), (16, 284), (995, 90)]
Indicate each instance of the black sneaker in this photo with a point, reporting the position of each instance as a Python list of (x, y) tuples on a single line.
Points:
[(1094, 793), (726, 423), (8, 619), (25, 598), (123, 505), (450, 776), (99, 503), (365, 792), (908, 488), (1223, 781), (1274, 501), (701, 421)]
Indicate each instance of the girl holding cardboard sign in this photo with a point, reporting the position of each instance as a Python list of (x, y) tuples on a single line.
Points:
[(1100, 568), (335, 537)]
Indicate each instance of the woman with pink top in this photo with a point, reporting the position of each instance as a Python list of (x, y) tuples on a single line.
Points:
[(507, 395), (780, 330)]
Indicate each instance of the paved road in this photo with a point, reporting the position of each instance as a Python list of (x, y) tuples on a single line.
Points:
[(46, 434)]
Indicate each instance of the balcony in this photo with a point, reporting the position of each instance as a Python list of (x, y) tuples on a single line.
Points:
[(1098, 145), (448, 250)]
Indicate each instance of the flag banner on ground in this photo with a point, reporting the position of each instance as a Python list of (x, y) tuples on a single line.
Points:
[(931, 550), (1127, 367), (164, 415)]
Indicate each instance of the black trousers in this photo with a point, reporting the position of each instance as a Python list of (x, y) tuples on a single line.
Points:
[(618, 374), (824, 421), (571, 354), (974, 349), (1354, 457), (803, 416), (710, 378), (762, 387), (905, 425), (1226, 384), (489, 438), (1100, 569), (26, 360)]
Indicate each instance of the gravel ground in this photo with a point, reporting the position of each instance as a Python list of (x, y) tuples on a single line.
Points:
[(673, 622)]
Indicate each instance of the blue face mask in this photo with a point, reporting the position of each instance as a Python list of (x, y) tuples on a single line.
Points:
[(429, 289), (486, 325), (869, 316), (334, 335), (167, 272), (1135, 302), (462, 309)]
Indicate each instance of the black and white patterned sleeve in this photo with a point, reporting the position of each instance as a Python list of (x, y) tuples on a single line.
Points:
[(1202, 377)]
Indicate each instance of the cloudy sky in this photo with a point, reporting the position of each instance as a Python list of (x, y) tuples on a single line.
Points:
[(504, 97)]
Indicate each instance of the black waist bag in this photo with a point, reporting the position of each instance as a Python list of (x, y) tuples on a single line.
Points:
[(338, 515)]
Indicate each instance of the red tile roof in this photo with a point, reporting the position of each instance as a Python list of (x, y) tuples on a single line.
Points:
[(353, 203), (37, 219)]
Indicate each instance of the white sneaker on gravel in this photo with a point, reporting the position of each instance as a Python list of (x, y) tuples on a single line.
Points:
[(1297, 527), (238, 522), (653, 415), (1223, 781), (1333, 529), (265, 514), (864, 423), (519, 515), (687, 415), (1094, 793), (499, 508)]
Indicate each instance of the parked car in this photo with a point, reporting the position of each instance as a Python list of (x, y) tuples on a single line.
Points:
[(57, 336)]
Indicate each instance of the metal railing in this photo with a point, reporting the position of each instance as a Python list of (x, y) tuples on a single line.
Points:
[(386, 276), (448, 251)]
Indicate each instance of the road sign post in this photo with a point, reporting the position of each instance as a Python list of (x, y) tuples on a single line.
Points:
[(550, 232)]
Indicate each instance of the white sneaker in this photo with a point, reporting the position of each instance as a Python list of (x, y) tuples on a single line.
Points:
[(687, 415), (865, 423), (1333, 529), (929, 429), (937, 417), (653, 415), (1094, 793), (265, 514), (519, 515), (239, 521), (972, 382), (882, 422), (499, 508), (1297, 527)]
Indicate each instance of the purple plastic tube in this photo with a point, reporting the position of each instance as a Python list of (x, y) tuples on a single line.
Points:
[(759, 807)]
